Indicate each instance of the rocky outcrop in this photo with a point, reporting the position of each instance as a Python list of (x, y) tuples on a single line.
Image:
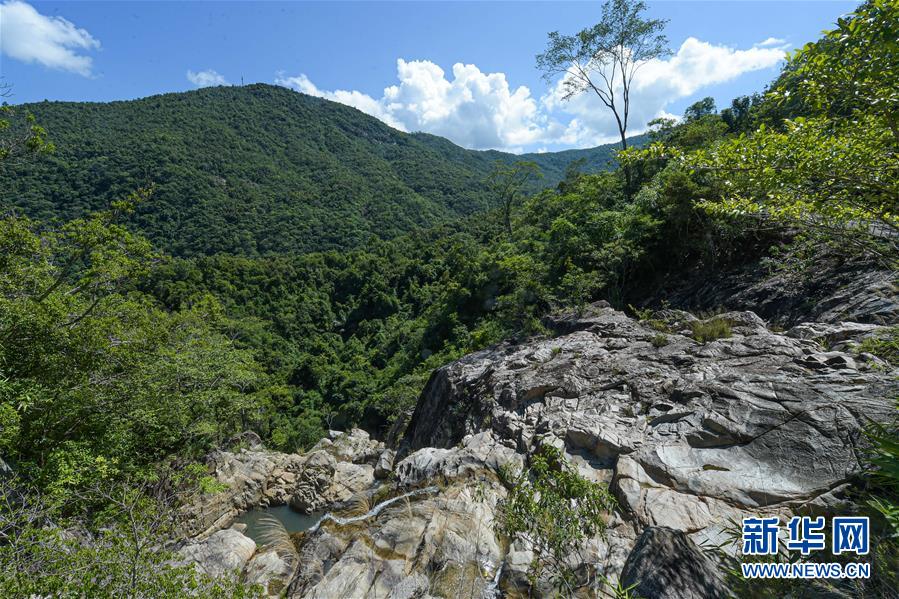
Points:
[(433, 544), (250, 478), (666, 564), (475, 455), (223, 553), (332, 472), (335, 470), (253, 476), (689, 436), (833, 290)]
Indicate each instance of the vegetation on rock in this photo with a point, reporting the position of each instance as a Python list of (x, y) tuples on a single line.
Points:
[(555, 511), (312, 267)]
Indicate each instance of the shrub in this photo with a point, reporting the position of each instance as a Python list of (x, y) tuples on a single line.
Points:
[(659, 340), (709, 330), (556, 511), (884, 345)]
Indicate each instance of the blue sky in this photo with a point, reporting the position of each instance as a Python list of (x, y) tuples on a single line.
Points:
[(352, 51)]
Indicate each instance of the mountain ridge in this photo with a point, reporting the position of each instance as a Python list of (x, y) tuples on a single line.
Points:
[(256, 170)]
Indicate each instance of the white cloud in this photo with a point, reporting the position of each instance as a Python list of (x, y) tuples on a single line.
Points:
[(474, 109), (206, 78), (658, 83), (54, 42), (481, 110), (772, 42), (358, 100)]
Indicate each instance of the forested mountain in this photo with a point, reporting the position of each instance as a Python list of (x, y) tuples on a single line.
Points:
[(145, 345), (256, 170)]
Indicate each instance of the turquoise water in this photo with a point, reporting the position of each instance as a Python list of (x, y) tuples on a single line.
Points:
[(293, 521)]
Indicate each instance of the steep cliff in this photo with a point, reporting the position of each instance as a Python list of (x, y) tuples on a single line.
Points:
[(689, 436)]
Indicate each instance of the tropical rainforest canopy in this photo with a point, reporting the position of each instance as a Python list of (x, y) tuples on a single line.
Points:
[(188, 266)]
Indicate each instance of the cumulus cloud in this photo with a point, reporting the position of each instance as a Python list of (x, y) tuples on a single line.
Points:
[(54, 42), (473, 108), (658, 83), (772, 42), (206, 78), (481, 110), (356, 99)]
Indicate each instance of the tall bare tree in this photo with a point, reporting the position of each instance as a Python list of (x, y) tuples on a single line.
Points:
[(509, 183), (605, 58)]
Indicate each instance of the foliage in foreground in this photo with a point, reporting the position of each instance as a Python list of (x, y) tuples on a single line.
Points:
[(555, 511), (121, 553), (97, 380), (827, 159)]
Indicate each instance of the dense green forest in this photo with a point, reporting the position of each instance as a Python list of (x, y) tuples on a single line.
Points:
[(297, 265), (343, 338), (256, 170)]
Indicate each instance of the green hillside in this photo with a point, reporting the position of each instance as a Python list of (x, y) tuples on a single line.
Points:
[(255, 170)]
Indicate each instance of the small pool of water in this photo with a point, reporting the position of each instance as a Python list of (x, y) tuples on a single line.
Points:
[(293, 521)]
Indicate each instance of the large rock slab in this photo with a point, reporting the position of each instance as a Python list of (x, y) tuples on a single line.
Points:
[(223, 553), (689, 436)]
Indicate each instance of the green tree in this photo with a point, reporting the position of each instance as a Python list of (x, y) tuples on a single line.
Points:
[(853, 69), (697, 110), (555, 510), (20, 134), (123, 553), (97, 381), (738, 116), (833, 170)]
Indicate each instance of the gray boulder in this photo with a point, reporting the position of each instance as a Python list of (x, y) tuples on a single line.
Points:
[(666, 564), (223, 553), (384, 466)]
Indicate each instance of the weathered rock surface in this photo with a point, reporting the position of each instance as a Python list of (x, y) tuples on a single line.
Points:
[(666, 564), (271, 569), (688, 436), (223, 553), (251, 477), (834, 290), (475, 455), (335, 470), (256, 477), (384, 466), (432, 545)]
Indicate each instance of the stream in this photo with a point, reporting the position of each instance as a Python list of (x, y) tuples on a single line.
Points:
[(373, 511), (293, 521)]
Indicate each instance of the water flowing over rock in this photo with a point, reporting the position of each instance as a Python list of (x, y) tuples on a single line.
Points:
[(689, 436)]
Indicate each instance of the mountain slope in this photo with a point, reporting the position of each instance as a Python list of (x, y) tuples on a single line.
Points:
[(254, 170)]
